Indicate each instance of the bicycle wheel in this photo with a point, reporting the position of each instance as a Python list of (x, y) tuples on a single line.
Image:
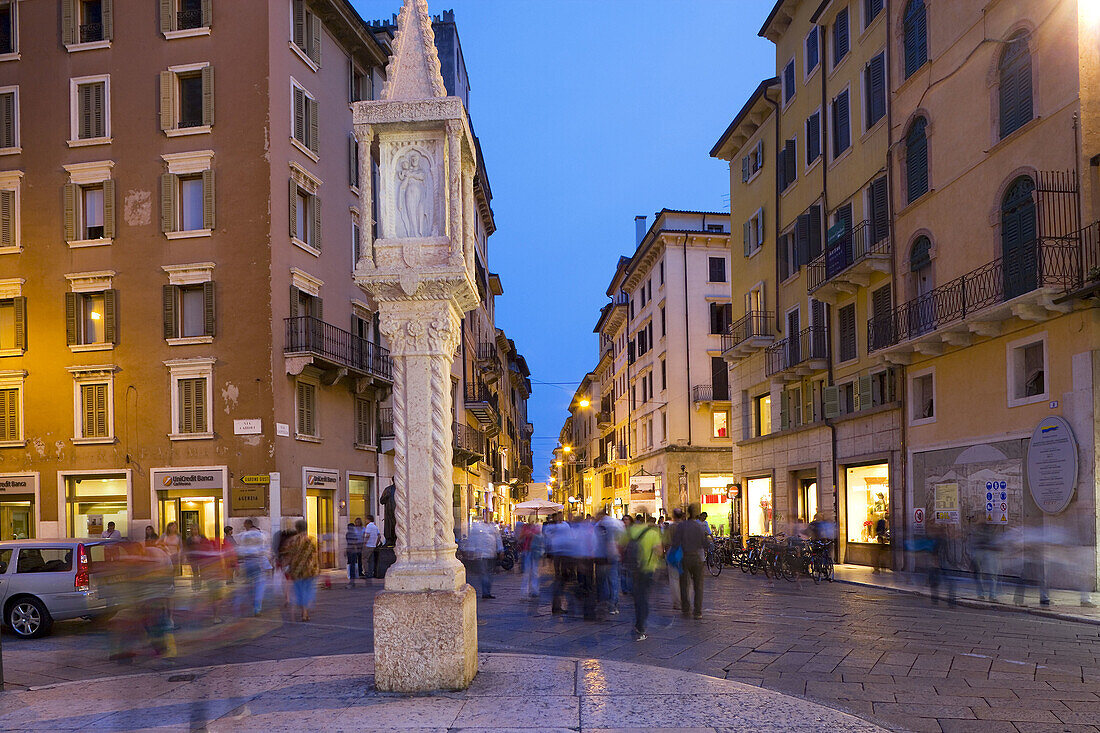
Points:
[(814, 570), (714, 565), (788, 568), (743, 561), (828, 569), (754, 562)]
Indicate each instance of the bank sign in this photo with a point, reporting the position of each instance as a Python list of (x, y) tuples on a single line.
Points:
[(18, 484), (189, 479), (320, 479)]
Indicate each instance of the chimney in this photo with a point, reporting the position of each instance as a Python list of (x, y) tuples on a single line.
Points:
[(639, 228)]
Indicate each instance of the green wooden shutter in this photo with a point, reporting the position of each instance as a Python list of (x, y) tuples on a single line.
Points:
[(99, 109), (110, 316), (87, 411), (208, 313), (71, 334), (168, 218), (299, 131), (746, 234), (864, 396), (303, 409), (784, 410), (20, 310), (208, 95), (294, 303), (9, 414), (830, 402), (207, 13), (68, 21), (84, 111), (314, 134), (807, 403), (167, 17), (109, 209), (186, 406), (293, 208), (7, 120), (353, 161), (317, 308), (208, 199), (7, 219), (170, 297), (167, 100), (108, 20), (70, 195), (199, 417), (299, 10), (315, 38), (315, 239)]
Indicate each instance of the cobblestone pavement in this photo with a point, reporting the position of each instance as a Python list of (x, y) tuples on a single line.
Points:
[(888, 657)]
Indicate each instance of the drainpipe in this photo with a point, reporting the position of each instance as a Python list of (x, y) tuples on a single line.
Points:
[(778, 204), (687, 338)]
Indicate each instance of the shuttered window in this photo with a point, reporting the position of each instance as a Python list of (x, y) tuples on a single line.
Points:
[(95, 417), (9, 28), (307, 409), (305, 216), (841, 37), (91, 318), (842, 130), (11, 422), (813, 137), (353, 162), (188, 310), (846, 332), (8, 120), (787, 164), (880, 215), (183, 15), (915, 36), (1015, 85), (916, 160), (187, 99), (871, 9), (306, 124), (89, 211), (717, 269), (364, 422), (788, 82), (874, 82), (13, 324), (192, 405), (91, 110), (86, 21), (813, 50), (307, 31), (187, 202), (8, 214)]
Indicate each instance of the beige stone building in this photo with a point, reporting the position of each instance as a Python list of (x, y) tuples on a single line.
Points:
[(185, 340)]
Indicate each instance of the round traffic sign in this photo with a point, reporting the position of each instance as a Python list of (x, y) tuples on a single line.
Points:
[(918, 516)]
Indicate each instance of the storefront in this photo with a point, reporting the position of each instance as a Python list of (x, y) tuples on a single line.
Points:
[(807, 499), (194, 498), (93, 500), (18, 504), (320, 502), (715, 501), (760, 504), (362, 499), (867, 506)]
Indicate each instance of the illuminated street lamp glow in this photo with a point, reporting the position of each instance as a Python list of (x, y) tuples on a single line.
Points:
[(567, 449), (584, 403)]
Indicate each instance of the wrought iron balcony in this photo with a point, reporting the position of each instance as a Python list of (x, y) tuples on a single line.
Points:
[(752, 332), (798, 355), (307, 335), (617, 454), (1032, 286), (848, 264), (484, 405), (621, 298), (385, 422), (468, 444), (528, 430), (91, 32), (604, 419), (188, 19), (706, 393)]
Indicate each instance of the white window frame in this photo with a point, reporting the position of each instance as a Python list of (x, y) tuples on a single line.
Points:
[(13, 181), (90, 282), (9, 290), (306, 377), (756, 161), (311, 185), (756, 225), (14, 55), (302, 147), (912, 382), (90, 45), (89, 175), (84, 375), (203, 30), (16, 127), (197, 273), (1011, 369), (74, 140), (197, 368), (298, 50), (188, 164), (176, 130), (13, 379), (864, 22)]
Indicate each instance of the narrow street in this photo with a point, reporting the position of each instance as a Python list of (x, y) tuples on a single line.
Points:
[(888, 657)]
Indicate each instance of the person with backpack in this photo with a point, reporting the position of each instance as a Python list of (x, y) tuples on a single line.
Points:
[(690, 538), (640, 557)]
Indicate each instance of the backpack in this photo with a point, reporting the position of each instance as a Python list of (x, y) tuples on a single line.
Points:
[(632, 554)]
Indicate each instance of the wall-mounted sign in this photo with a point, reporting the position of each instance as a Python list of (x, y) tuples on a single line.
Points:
[(643, 488), (248, 497), (918, 516), (1052, 464), (248, 427), (191, 478), (947, 503), (282, 430), (319, 478), (261, 478), (18, 484), (996, 502)]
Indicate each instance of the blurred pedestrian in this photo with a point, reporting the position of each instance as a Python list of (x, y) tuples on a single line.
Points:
[(626, 581), (111, 533), (672, 558), (609, 530), (229, 552), (280, 544), (372, 540), (193, 545), (691, 539), (303, 567), (354, 541), (483, 546), (584, 563), (252, 553), (983, 557), (151, 537), (641, 544), (559, 547), (530, 546), (937, 548), (172, 544)]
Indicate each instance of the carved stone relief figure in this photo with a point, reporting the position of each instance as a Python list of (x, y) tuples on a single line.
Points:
[(414, 196)]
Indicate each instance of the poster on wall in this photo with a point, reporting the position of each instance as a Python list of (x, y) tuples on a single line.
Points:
[(947, 503), (643, 494)]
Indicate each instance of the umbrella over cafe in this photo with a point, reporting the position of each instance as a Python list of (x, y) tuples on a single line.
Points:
[(538, 506)]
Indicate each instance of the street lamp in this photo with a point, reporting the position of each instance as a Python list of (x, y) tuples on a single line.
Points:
[(583, 402)]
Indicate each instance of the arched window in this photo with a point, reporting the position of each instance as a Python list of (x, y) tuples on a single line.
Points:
[(915, 34), (916, 160), (1019, 248), (1015, 85), (922, 314)]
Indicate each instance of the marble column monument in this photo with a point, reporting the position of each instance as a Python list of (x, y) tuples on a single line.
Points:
[(418, 273)]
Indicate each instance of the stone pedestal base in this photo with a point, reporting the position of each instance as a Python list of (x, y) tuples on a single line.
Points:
[(425, 640)]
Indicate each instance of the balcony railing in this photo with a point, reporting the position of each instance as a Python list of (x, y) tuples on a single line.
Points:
[(707, 393), (468, 442), (811, 344), (487, 352), (620, 298), (754, 324), (91, 32), (478, 394), (310, 335), (603, 418), (854, 247), (1062, 264), (385, 422), (188, 19)]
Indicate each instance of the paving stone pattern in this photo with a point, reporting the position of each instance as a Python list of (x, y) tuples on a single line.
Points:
[(888, 657)]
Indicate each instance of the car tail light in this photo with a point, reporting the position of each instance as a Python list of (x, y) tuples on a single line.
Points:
[(82, 581)]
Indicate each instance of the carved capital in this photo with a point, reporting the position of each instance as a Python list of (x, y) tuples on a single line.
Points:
[(420, 328)]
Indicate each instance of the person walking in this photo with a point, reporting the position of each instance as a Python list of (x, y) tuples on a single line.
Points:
[(484, 545), (229, 550), (530, 545), (641, 543), (303, 567), (354, 540), (372, 539), (252, 553), (674, 566), (691, 538), (172, 544), (609, 529)]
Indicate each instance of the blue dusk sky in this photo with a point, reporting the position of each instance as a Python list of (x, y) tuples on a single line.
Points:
[(591, 112)]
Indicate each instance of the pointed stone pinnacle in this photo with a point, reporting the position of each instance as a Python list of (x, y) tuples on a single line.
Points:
[(413, 72)]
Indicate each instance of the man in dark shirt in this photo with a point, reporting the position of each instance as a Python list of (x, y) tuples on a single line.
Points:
[(691, 537)]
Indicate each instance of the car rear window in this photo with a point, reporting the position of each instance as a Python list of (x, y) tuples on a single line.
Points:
[(44, 560), (5, 558)]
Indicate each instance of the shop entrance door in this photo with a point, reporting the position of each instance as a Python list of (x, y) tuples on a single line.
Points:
[(319, 503), (807, 499), (191, 513), (17, 517)]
